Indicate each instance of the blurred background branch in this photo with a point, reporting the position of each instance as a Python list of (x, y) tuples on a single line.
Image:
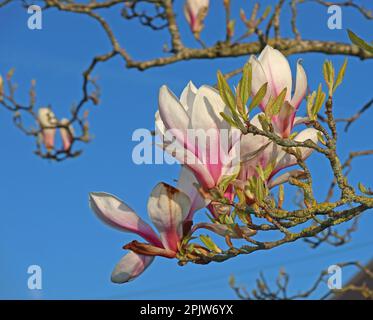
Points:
[(262, 27), (360, 287)]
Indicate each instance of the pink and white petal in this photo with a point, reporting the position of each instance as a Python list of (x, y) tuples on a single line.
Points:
[(196, 5), (300, 87), (231, 163), (261, 157), (284, 121), (258, 80), (284, 178), (188, 95), (277, 70), (160, 128), (251, 144), (130, 267), (189, 159), (168, 207), (187, 184), (285, 160), (117, 214), (207, 124)]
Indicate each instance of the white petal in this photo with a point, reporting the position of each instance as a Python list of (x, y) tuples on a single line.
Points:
[(160, 128), (130, 267), (259, 78), (250, 143), (285, 160), (300, 120), (277, 70), (187, 184), (206, 110), (171, 111), (188, 95), (168, 207), (300, 87)]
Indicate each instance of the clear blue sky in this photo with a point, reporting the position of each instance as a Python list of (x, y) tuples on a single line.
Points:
[(45, 218)]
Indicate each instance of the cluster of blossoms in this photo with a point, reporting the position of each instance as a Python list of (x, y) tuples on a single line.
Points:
[(48, 125), (245, 158)]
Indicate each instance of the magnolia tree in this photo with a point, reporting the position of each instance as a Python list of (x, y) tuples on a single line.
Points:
[(231, 161), (238, 144)]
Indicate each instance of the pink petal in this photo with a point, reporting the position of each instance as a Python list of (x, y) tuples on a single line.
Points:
[(67, 135), (117, 214), (168, 207), (284, 121), (48, 138), (130, 267)]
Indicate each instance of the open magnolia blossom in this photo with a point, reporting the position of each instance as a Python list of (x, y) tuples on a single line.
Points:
[(195, 12), (270, 154), (168, 209), (47, 122), (193, 131), (273, 68)]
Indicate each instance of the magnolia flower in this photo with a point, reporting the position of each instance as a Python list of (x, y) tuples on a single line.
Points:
[(196, 117), (168, 208), (272, 67), (258, 150), (67, 134), (195, 12), (47, 122)]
